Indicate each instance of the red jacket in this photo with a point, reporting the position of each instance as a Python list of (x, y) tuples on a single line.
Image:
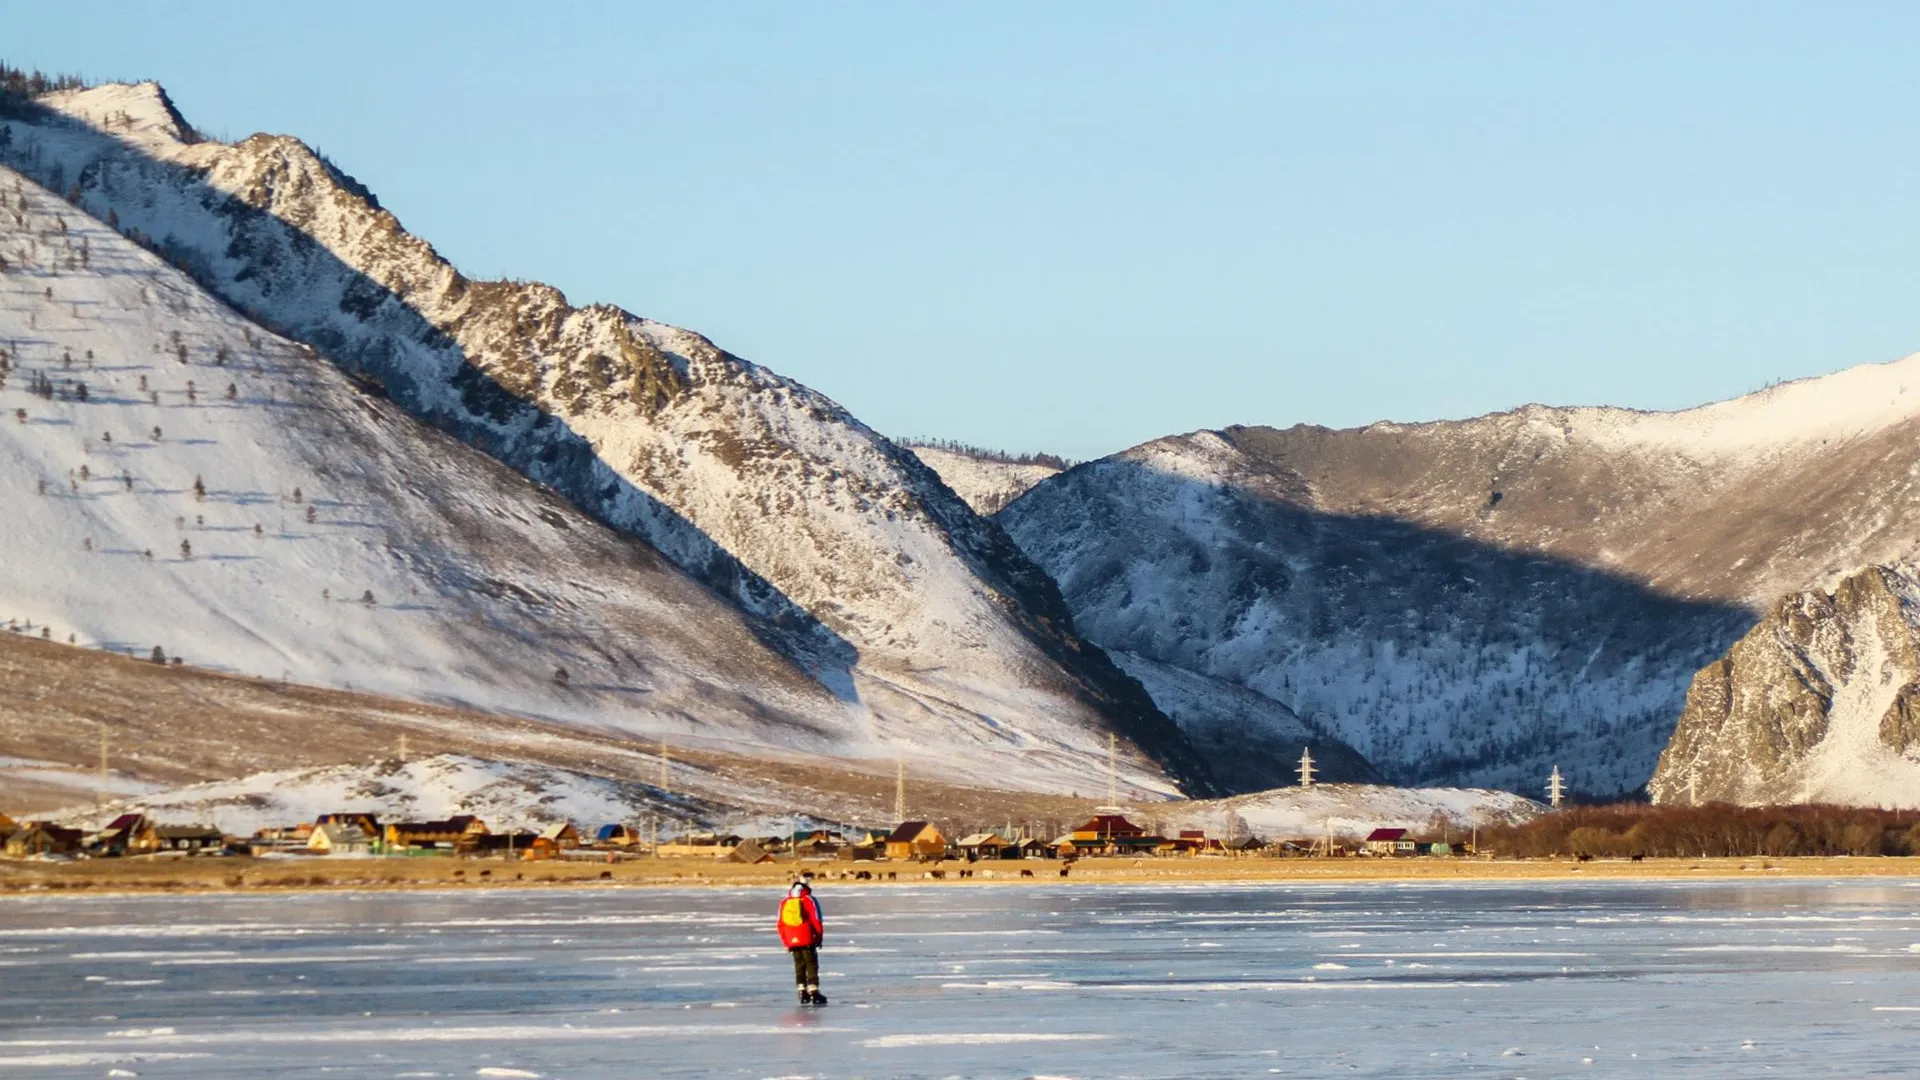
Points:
[(800, 924)]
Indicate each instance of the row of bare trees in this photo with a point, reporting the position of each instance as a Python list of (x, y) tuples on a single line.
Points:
[(1716, 830)]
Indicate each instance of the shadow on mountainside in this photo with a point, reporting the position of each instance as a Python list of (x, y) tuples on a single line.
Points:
[(1440, 658), (393, 344)]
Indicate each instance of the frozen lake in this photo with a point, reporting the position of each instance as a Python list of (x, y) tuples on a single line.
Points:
[(1698, 979)]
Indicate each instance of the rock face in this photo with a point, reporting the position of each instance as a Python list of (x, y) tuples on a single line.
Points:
[(861, 564), (1819, 702), (1477, 601)]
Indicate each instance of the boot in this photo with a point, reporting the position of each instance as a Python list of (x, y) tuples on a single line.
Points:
[(806, 995), (815, 996)]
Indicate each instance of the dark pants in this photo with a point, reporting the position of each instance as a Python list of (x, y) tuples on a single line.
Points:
[(806, 965)]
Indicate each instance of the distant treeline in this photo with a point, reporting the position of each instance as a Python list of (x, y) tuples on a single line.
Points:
[(20, 85), (1717, 830), (1051, 461)]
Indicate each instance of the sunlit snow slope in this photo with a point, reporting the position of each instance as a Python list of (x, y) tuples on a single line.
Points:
[(175, 478), (889, 589)]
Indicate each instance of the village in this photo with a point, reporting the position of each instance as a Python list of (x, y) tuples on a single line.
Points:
[(364, 835)]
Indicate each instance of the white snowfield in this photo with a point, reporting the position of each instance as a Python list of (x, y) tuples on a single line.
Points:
[(505, 795), (249, 510), (936, 640), (1350, 811)]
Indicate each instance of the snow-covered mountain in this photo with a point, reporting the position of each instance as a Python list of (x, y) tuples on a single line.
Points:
[(987, 482), (1819, 702), (1476, 601), (179, 480), (932, 628)]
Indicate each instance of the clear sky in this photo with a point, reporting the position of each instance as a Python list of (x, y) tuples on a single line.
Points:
[(1073, 227)]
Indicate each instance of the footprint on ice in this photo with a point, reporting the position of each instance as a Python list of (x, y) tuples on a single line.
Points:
[(1513, 1051), (492, 1070)]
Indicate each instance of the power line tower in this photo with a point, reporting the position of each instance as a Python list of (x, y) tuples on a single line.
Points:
[(1323, 845), (1556, 789), (899, 791), (1306, 767), (100, 786)]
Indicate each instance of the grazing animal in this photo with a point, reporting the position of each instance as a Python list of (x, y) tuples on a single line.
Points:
[(1064, 869), (936, 874), (966, 873), (606, 875), (1026, 873), (893, 875), (1638, 857), (1584, 858), (864, 875), (486, 873)]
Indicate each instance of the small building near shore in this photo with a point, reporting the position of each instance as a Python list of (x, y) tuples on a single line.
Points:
[(190, 839), (457, 832), (750, 852), (987, 845), (41, 838), (916, 840), (128, 834), (1389, 842), (340, 839)]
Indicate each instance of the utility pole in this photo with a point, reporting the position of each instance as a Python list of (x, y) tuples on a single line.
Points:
[(899, 791), (663, 766), (1306, 767), (100, 790), (1113, 747), (1556, 788)]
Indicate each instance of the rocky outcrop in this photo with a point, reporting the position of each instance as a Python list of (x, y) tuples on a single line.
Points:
[(1817, 703)]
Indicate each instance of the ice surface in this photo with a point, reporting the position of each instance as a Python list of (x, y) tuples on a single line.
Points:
[(1695, 978)]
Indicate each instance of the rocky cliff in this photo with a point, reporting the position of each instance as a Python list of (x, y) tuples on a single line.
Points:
[(1819, 702)]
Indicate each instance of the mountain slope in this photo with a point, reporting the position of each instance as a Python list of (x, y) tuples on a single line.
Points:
[(894, 593), (1476, 601), (177, 479), (1819, 702)]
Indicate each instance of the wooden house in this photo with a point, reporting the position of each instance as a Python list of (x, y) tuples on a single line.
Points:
[(497, 844), (1111, 834), (552, 840), (1389, 842), (699, 846), (616, 836), (1034, 848), (42, 838), (916, 840), (190, 839), (128, 834), (987, 845), (339, 839), (366, 823), (459, 831), (750, 852)]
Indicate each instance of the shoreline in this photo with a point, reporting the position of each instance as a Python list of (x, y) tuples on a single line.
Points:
[(244, 875)]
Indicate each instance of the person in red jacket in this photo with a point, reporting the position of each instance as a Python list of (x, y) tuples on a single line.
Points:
[(802, 931)]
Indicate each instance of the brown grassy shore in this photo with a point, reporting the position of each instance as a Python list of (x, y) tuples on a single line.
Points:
[(247, 875)]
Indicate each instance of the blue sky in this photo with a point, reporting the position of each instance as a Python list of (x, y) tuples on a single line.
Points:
[(1074, 227)]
